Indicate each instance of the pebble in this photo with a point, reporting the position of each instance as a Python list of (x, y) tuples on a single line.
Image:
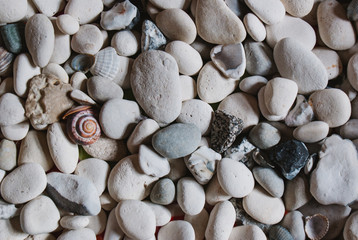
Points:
[(190, 196), (6, 86), (78, 81), (254, 27), (74, 222), (348, 130), (298, 8), (81, 98), (188, 59), (118, 117), (24, 70), (126, 173), (330, 60), (336, 109), (8, 211), (40, 215), (291, 27), (297, 193), (123, 75), (293, 222), (351, 227), (107, 202), (335, 30), (269, 180), (98, 222), (83, 10), (152, 38), (121, 15), (126, 43), (264, 111), (270, 12), (264, 135), (162, 4), (49, 8), (178, 169), (311, 132), (79, 234), (102, 89), (300, 114), (352, 71), (12, 11), (247, 232), (221, 221), (136, 219), (87, 40), (24, 183), (151, 163), (11, 229), (62, 49), (142, 134), (11, 107), (67, 24), (310, 76), (96, 170), (73, 193), (214, 192), (182, 230), (162, 213), (252, 84), (63, 151), (212, 86), (161, 100), (7, 155), (263, 207), (176, 24), (107, 149), (216, 23), (198, 222), (56, 70), (113, 231)]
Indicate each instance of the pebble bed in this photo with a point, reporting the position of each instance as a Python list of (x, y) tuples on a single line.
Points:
[(178, 120)]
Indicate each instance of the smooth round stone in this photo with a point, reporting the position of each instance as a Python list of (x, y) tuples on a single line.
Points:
[(243, 106), (351, 227), (310, 76), (136, 219), (217, 24), (12, 110), (291, 27), (331, 106), (63, 151), (335, 29), (62, 50), (188, 59), (263, 207), (198, 222), (40, 215), (85, 11), (126, 173), (67, 24), (24, 70), (269, 180), (247, 232), (270, 12), (126, 42), (252, 84), (221, 221), (113, 231), (182, 230), (177, 140), (349, 129), (24, 183), (293, 222), (40, 39), (74, 222), (212, 85), (190, 196), (98, 222), (214, 192), (7, 155), (297, 193), (78, 81), (87, 40), (197, 112), (162, 213), (161, 99), (264, 135), (56, 70), (188, 87), (142, 134), (178, 169), (96, 170), (102, 89), (118, 116), (163, 4), (79, 234), (298, 8), (259, 58), (311, 132), (11, 229), (330, 60), (12, 11), (254, 27), (235, 178), (176, 24), (151, 163)]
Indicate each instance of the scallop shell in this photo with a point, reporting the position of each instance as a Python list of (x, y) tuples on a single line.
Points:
[(6, 59), (316, 226), (278, 232), (82, 125), (13, 36), (82, 62), (106, 63)]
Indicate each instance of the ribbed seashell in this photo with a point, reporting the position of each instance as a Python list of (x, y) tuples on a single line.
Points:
[(106, 63), (82, 62), (6, 59), (278, 232), (13, 36), (316, 226), (82, 125)]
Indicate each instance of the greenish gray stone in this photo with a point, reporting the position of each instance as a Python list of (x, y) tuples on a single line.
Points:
[(163, 192)]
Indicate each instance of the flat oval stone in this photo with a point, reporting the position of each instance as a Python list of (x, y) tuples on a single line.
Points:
[(311, 132), (182, 230), (67, 24), (87, 40), (190, 196), (24, 183), (74, 222), (331, 106), (247, 232), (217, 24), (80, 234), (12, 11), (198, 222), (252, 84), (310, 76), (161, 99), (177, 140), (163, 192), (335, 30), (263, 108), (7, 155), (83, 10), (102, 89), (254, 27), (40, 39), (73, 193), (40, 215), (136, 219), (142, 134), (151, 163), (263, 207), (11, 107), (269, 180), (298, 8), (270, 12)]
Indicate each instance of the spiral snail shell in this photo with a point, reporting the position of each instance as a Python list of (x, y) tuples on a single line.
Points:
[(82, 126)]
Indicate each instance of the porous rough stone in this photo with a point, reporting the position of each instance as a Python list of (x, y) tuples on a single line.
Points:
[(11, 107), (298, 8), (269, 180), (12, 11), (7, 155), (270, 12), (151, 163), (182, 230), (190, 196), (83, 10), (247, 232)]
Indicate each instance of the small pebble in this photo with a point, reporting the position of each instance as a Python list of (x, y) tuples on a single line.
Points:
[(107, 202), (215, 193), (252, 84), (298, 8), (126, 43), (351, 227), (162, 213), (162, 4), (178, 169), (264, 135), (98, 222), (293, 222), (297, 193), (11, 107), (270, 12), (330, 60), (107, 149), (80, 234), (7, 155), (120, 16), (269, 180), (152, 38), (142, 134), (259, 58), (188, 87), (113, 231), (311, 132), (349, 130), (300, 114), (74, 222), (12, 11), (247, 232), (254, 27), (151, 163), (11, 229), (83, 10), (182, 230), (190, 196), (102, 89), (87, 40), (67, 24)]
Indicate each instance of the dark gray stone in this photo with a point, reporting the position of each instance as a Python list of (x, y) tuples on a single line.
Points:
[(152, 37)]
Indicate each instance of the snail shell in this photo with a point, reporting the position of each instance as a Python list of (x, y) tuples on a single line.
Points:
[(316, 226), (82, 126)]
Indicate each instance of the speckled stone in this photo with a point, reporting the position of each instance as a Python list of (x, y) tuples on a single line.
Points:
[(152, 38)]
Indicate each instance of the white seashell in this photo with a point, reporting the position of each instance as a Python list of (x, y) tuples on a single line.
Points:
[(316, 226), (301, 114), (106, 63), (120, 16)]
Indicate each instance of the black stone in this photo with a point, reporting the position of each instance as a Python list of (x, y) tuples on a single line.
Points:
[(289, 156)]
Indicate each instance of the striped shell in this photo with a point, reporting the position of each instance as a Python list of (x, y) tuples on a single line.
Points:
[(106, 63), (82, 126), (278, 232), (6, 59), (316, 226)]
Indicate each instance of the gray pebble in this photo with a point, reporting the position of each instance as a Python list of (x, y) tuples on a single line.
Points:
[(269, 180), (259, 59), (264, 135), (163, 192), (102, 89)]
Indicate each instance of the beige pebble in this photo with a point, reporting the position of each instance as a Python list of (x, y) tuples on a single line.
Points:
[(247, 232), (12, 11), (85, 11), (49, 8), (330, 60), (311, 132), (298, 8), (214, 192), (198, 222), (126, 43), (164, 4), (254, 27), (269, 11), (349, 129), (88, 40), (352, 71), (62, 50), (78, 81), (188, 87), (67, 24), (56, 70), (142, 134)]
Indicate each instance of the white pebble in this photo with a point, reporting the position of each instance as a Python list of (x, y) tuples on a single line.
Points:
[(190, 196), (254, 27), (182, 230), (126, 42), (188, 87), (67, 24), (311, 132)]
